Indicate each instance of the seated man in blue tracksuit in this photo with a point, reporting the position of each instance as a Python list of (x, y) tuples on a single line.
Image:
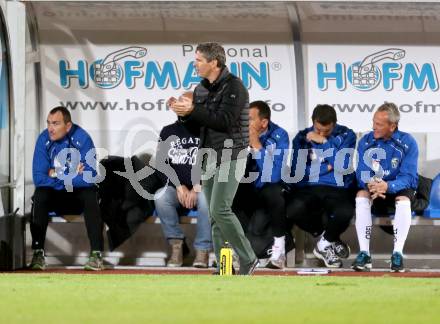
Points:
[(268, 144), (387, 175), (64, 174), (321, 201)]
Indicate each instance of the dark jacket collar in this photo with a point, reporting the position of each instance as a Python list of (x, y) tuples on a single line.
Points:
[(222, 76)]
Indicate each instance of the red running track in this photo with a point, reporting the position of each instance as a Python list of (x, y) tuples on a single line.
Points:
[(259, 272)]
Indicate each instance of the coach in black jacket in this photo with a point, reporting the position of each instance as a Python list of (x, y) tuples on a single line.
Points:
[(220, 107)]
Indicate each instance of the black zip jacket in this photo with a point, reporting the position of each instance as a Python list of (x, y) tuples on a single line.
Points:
[(221, 109)]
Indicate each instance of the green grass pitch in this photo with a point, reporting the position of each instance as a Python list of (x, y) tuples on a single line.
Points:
[(61, 298)]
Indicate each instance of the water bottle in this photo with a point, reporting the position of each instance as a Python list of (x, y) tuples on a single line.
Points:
[(226, 260)]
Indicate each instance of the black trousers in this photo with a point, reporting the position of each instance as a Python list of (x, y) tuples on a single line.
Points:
[(316, 209), (387, 206), (270, 198), (84, 200)]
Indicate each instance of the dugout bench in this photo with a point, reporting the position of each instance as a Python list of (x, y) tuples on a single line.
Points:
[(67, 242)]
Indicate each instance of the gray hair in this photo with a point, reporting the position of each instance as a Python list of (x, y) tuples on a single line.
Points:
[(213, 51), (392, 110)]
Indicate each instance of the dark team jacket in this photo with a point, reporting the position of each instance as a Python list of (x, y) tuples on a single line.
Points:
[(221, 109)]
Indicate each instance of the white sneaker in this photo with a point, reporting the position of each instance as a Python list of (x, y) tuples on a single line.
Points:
[(277, 257)]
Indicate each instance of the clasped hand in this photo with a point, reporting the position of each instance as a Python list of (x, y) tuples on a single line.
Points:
[(377, 188), (187, 198)]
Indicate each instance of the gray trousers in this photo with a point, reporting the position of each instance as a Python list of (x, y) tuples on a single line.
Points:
[(220, 185)]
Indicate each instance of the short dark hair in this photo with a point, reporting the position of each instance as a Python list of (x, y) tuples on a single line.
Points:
[(324, 114), (263, 109), (63, 110), (213, 51)]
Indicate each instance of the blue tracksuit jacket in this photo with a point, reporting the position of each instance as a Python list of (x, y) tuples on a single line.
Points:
[(275, 142), (46, 152), (396, 163), (341, 138)]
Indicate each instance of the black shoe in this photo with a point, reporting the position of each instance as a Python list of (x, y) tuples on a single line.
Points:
[(38, 262), (341, 249), (250, 268)]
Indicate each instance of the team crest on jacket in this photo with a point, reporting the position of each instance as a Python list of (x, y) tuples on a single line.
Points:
[(394, 162)]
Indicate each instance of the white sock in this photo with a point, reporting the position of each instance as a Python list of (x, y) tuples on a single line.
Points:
[(279, 246), (323, 243), (402, 222), (363, 223), (279, 241)]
